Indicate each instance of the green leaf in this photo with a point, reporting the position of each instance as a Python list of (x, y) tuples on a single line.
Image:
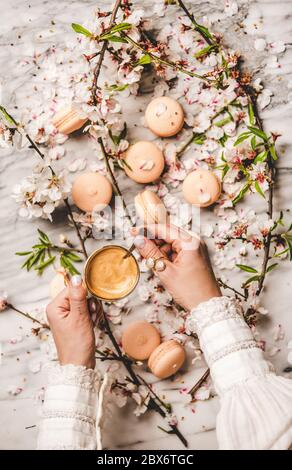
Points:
[(261, 157), (289, 243), (273, 152), (144, 60), (248, 269), (66, 263), (241, 193), (125, 163), (281, 253), (251, 279), (41, 266), (72, 256), (223, 139), (81, 30), (112, 38), (199, 139), (204, 51), (225, 171), (241, 138), (259, 189), (223, 121), (34, 259), (202, 29), (43, 236), (120, 27), (117, 138), (251, 114), (271, 267), (118, 87), (261, 134), (8, 117), (253, 142), (23, 253)]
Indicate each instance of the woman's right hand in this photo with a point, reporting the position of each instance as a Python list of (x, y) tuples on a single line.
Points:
[(188, 276)]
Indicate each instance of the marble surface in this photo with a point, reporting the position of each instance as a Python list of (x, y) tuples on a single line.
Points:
[(27, 27)]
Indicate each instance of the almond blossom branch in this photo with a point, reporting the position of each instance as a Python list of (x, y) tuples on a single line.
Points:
[(199, 28), (28, 316), (226, 286), (200, 382), (35, 147), (137, 380), (102, 53), (168, 63), (113, 179), (250, 92)]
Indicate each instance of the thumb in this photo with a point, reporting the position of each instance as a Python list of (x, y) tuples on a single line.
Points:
[(77, 296)]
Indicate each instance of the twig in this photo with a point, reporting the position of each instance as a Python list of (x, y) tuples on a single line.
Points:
[(28, 316), (113, 179), (157, 59), (194, 134), (226, 286), (200, 382), (270, 162), (135, 379), (71, 217), (69, 249), (66, 201), (250, 92), (102, 53), (196, 25)]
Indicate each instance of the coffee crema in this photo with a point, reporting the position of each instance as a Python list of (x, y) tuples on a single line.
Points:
[(109, 275)]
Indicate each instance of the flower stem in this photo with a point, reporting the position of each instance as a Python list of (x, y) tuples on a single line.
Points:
[(113, 179), (168, 63), (28, 316), (97, 69), (198, 384), (202, 30), (75, 225), (135, 379), (226, 286)]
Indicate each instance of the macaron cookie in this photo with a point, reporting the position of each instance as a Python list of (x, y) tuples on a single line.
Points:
[(140, 339), (68, 120), (144, 162), (164, 116), (91, 191), (201, 188), (166, 359), (150, 208)]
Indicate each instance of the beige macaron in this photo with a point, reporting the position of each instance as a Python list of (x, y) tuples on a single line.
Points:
[(164, 116), (140, 339), (201, 188), (144, 162), (68, 120), (150, 208), (167, 359), (91, 191)]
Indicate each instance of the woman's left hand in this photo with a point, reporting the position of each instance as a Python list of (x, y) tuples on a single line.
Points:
[(72, 327)]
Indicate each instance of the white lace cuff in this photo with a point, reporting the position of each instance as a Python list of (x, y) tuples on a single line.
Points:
[(69, 409), (256, 406), (227, 342)]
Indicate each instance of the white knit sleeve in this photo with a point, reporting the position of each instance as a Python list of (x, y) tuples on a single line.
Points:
[(69, 409), (256, 405)]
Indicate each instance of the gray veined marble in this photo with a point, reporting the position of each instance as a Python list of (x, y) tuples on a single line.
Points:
[(20, 24)]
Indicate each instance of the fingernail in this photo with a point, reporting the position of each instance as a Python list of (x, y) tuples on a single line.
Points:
[(76, 280), (139, 241)]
